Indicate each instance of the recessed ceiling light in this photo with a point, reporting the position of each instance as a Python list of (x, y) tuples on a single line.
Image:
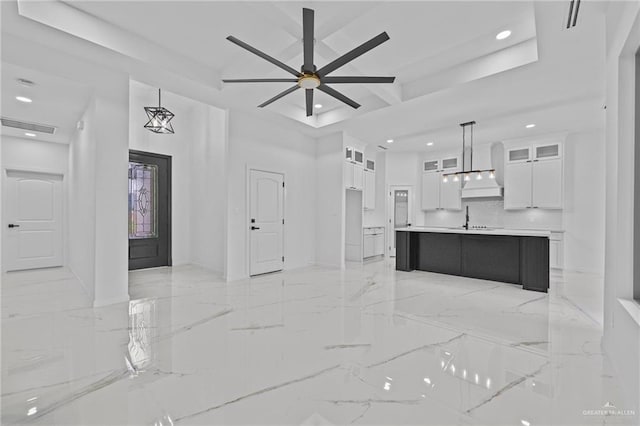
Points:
[(23, 99), (318, 105), (33, 135), (389, 140), (503, 34), (530, 126), (429, 143)]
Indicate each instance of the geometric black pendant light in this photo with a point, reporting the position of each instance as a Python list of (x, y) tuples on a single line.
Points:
[(159, 118)]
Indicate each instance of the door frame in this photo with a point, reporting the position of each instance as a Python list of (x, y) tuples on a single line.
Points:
[(247, 211), (169, 199), (390, 251), (3, 212)]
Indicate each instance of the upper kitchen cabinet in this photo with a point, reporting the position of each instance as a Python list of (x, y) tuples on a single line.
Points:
[(354, 169), (370, 185), (533, 176), (436, 193)]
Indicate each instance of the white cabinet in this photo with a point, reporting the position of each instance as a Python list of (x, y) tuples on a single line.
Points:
[(517, 185), (431, 190), (354, 169), (556, 249), (353, 176), (450, 195), (547, 184), (533, 177), (373, 242), (353, 155), (436, 193), (369, 189), (358, 157)]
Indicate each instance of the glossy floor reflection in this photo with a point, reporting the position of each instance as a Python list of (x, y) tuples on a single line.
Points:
[(313, 346)]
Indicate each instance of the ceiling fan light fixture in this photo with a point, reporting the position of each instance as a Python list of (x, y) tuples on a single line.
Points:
[(309, 81)]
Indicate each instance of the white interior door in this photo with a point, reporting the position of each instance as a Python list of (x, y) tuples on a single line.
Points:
[(33, 213), (400, 213), (266, 222)]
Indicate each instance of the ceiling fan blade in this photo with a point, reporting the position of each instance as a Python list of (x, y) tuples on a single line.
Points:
[(353, 54), (357, 79), (262, 80), (263, 55), (339, 96), (307, 38), (279, 95), (309, 97)]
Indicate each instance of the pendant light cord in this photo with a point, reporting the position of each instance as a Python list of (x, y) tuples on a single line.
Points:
[(463, 147), (471, 165), (159, 103)]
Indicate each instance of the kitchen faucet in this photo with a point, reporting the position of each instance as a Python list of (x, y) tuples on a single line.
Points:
[(466, 220)]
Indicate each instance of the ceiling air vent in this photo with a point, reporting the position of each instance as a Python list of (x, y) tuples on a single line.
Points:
[(34, 127), (572, 18)]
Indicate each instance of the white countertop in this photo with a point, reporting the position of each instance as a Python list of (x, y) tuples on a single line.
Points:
[(495, 231)]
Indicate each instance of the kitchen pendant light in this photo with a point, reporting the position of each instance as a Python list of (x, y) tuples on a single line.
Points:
[(467, 173), (159, 118)]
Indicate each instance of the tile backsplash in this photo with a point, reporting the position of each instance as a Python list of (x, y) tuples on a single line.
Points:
[(492, 213)]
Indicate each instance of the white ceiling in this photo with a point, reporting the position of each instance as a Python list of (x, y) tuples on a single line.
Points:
[(448, 64), (56, 101)]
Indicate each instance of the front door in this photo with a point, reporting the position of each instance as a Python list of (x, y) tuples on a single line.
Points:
[(149, 210), (266, 223), (33, 229), (400, 213)]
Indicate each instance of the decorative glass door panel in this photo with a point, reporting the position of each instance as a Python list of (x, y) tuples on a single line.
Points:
[(143, 200), (149, 210)]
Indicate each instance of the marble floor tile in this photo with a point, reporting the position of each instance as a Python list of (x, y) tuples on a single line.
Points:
[(313, 346)]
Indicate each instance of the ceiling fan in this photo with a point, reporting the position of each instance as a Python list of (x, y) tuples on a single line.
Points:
[(309, 77)]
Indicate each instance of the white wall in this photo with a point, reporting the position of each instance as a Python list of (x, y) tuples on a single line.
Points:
[(255, 142), (111, 188), (198, 175), (491, 213), (330, 199), (402, 168), (82, 203), (208, 187), (621, 332), (584, 202), (97, 187), (35, 155), (178, 146)]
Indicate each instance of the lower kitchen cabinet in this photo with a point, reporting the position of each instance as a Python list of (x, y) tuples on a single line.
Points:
[(439, 253), (492, 258), (512, 259), (556, 250), (373, 242)]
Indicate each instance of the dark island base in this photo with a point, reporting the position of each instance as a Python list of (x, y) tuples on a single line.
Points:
[(504, 258)]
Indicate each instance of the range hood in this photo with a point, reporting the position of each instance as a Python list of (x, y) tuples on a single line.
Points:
[(485, 157)]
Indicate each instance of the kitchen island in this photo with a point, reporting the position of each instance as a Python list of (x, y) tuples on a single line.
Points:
[(506, 255)]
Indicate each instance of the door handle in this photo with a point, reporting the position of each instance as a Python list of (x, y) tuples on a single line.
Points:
[(11, 225), (253, 228)]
